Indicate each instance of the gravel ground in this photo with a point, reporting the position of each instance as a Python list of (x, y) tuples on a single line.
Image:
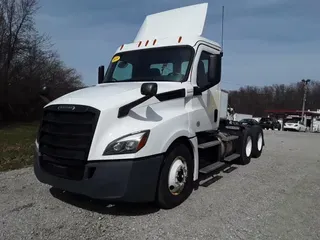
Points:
[(274, 197)]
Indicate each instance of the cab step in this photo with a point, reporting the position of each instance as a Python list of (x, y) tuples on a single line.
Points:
[(230, 138), (231, 157), (209, 144), (212, 167)]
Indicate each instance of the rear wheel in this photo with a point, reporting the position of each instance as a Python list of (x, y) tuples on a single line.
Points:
[(246, 147), (258, 143), (176, 178)]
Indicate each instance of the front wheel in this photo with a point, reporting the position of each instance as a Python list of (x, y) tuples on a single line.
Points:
[(176, 178)]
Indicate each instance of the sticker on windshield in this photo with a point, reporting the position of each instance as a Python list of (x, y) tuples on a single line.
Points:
[(115, 59)]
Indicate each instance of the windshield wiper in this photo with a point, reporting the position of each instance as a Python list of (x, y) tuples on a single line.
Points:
[(139, 79)]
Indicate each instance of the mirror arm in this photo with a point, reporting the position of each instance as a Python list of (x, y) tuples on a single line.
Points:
[(125, 109), (199, 90)]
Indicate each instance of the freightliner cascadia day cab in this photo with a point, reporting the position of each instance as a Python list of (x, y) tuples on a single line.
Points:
[(155, 124)]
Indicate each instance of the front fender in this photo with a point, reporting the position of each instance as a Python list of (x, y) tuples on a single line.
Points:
[(193, 142), (179, 133), (172, 137)]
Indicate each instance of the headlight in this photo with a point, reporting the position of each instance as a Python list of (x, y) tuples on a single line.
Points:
[(131, 143)]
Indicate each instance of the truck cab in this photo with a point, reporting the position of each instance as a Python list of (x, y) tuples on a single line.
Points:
[(153, 125)]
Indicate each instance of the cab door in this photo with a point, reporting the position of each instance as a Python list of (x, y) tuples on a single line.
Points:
[(206, 74)]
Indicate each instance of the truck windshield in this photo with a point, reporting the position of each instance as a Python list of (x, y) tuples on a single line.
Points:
[(157, 64)]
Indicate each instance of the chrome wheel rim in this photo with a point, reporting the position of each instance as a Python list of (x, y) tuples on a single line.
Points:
[(178, 174)]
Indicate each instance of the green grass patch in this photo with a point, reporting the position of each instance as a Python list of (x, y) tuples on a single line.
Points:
[(17, 145)]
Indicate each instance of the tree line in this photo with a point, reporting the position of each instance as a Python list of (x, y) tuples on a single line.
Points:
[(28, 63), (255, 100)]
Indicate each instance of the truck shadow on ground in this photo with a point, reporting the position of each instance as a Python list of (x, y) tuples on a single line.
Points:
[(126, 209), (103, 207), (206, 181)]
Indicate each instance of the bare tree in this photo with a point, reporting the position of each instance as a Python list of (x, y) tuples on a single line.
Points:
[(16, 25), (27, 62)]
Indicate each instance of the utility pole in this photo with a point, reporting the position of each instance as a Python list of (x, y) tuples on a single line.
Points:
[(305, 82)]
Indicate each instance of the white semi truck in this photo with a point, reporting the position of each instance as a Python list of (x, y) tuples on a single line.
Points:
[(154, 126)]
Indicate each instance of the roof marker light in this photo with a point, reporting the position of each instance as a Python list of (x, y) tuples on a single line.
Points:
[(154, 41), (121, 46), (139, 44), (147, 42), (179, 40)]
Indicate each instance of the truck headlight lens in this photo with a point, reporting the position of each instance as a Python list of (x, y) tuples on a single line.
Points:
[(127, 144)]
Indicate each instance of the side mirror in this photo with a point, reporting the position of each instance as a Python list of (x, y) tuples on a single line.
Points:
[(44, 94), (44, 91), (214, 71), (100, 74), (149, 89)]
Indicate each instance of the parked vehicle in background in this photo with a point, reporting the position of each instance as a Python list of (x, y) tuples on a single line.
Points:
[(240, 116), (270, 123), (249, 121), (294, 125), (316, 125)]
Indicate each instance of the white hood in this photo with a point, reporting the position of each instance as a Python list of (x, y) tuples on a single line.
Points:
[(111, 95)]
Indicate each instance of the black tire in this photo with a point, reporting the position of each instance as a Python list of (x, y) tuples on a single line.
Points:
[(258, 142), (165, 199), (245, 159)]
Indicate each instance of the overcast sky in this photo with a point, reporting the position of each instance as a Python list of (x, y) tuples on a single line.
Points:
[(266, 41)]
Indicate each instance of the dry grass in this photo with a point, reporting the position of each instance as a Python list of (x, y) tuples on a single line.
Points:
[(17, 145)]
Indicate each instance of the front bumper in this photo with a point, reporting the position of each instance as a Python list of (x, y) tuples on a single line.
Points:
[(291, 128), (118, 180)]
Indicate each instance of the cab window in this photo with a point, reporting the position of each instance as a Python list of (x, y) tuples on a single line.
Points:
[(202, 72)]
